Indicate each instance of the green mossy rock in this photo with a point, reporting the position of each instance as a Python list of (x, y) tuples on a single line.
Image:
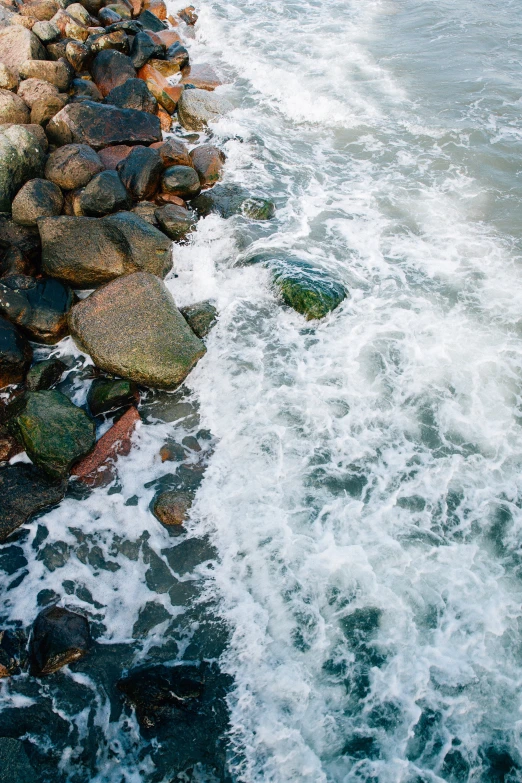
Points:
[(259, 209), (308, 291), (107, 395), (44, 375), (55, 432)]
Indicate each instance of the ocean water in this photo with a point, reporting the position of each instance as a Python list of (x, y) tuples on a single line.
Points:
[(354, 555)]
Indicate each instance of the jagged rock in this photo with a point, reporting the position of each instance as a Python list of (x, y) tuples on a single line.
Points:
[(47, 32), (15, 354), (179, 56), (84, 90), (32, 90), (182, 181), (143, 48), (98, 468), (37, 198), (8, 79), (107, 396), (104, 194), (173, 153), (103, 126), (55, 433), (208, 161), (12, 657), (201, 76), (108, 17), (38, 306), (111, 156), (69, 27), (117, 39), (151, 22), (175, 221), (44, 375), (201, 317), (73, 166), (188, 15), (18, 45), (78, 55), (134, 94), (13, 108), (140, 172), (25, 491), (56, 73), (132, 328), (172, 507), (59, 637), (44, 109), (307, 290), (111, 69), (196, 108), (78, 12), (14, 763)]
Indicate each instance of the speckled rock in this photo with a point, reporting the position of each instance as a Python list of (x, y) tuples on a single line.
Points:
[(21, 158), (73, 166), (18, 45), (196, 108), (37, 198), (13, 108)]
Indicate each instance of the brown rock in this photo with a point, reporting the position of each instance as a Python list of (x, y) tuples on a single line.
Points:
[(44, 109), (169, 198), (98, 468), (165, 120), (166, 68), (111, 156), (172, 508), (56, 73), (188, 15), (167, 37), (156, 7), (72, 203), (37, 198), (166, 94), (145, 210), (77, 54), (201, 76), (9, 447), (32, 90), (18, 45), (118, 40), (136, 7), (208, 162), (8, 79), (73, 166), (69, 27), (110, 69), (41, 10), (12, 108), (25, 21), (80, 14), (173, 153)]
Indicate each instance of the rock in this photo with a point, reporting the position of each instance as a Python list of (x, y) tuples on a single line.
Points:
[(8, 79), (166, 69), (15, 354), (131, 327), (32, 90), (84, 90), (146, 210), (12, 108), (44, 110), (7, 16), (73, 166), (151, 22), (47, 32), (23, 238), (161, 199), (117, 39), (258, 208), (129, 26), (144, 48), (9, 447), (14, 263), (56, 73), (43, 10), (25, 21), (175, 221), (179, 56), (307, 290), (122, 10), (55, 432), (166, 94), (80, 14), (69, 27), (92, 6), (167, 37), (98, 468), (18, 45), (188, 15), (44, 375), (173, 153), (104, 194), (107, 396), (38, 306), (57, 51), (140, 172), (181, 181), (208, 161), (14, 764), (78, 55), (12, 657), (25, 491), (156, 7), (201, 317), (111, 156), (108, 17), (196, 108), (224, 200), (103, 126), (59, 637), (134, 94), (201, 76), (37, 198), (111, 69), (171, 508)]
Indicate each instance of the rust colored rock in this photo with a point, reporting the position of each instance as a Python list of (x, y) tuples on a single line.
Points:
[(166, 94), (111, 156), (98, 468), (166, 68), (69, 27), (188, 15), (202, 76), (172, 508), (110, 69), (169, 198), (173, 153), (168, 37), (77, 54), (165, 120), (156, 7), (208, 162)]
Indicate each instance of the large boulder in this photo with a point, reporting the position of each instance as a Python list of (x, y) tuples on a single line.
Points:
[(15, 354), (21, 158), (111, 69), (55, 432), (37, 198), (208, 162), (72, 166), (25, 491), (134, 94), (173, 153), (166, 94), (308, 290), (100, 126), (196, 108), (141, 171), (13, 108), (56, 73), (17, 44), (59, 637), (132, 328), (104, 194), (38, 306), (110, 247)]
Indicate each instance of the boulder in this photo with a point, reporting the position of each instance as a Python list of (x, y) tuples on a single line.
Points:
[(175, 221), (173, 153), (167, 37), (146, 210), (14, 763), (166, 69), (44, 375), (18, 45), (26, 491), (44, 109), (32, 90), (104, 194), (161, 199), (172, 507), (77, 54), (108, 396), (307, 290), (103, 126), (59, 637), (9, 447), (84, 90), (141, 172), (201, 317), (38, 306), (12, 658), (167, 95), (156, 7), (151, 22), (134, 94), (57, 50), (182, 181), (47, 32), (203, 77), (13, 108), (143, 48), (73, 166), (15, 354), (37, 198), (55, 432), (111, 69), (43, 10), (132, 327), (8, 79), (78, 12), (56, 73), (69, 27), (98, 468), (208, 161), (196, 108), (26, 240), (177, 55), (223, 200), (111, 156)]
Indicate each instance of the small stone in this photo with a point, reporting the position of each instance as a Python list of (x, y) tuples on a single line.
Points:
[(172, 508), (173, 153), (258, 208), (188, 15), (108, 396), (8, 79), (59, 637), (18, 45), (38, 306), (175, 221), (13, 108), (165, 120), (307, 290), (44, 375), (208, 161), (32, 90), (12, 656), (201, 76), (77, 54), (134, 94), (14, 762), (111, 156), (201, 317), (181, 181), (56, 73), (72, 166), (196, 108), (45, 109), (37, 198), (151, 22), (111, 69), (25, 491), (144, 48), (15, 354), (140, 172), (104, 194), (47, 32), (84, 90)]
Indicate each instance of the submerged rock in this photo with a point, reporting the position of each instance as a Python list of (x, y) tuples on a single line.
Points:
[(258, 208), (171, 508), (107, 396), (25, 491), (196, 108), (224, 200), (12, 653), (21, 158), (201, 317), (59, 637), (307, 290), (37, 198), (15, 354), (44, 375), (39, 306), (132, 328), (14, 763), (175, 221)]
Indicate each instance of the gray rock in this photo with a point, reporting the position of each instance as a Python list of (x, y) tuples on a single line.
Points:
[(14, 764), (32, 90), (196, 108), (176, 222), (39, 306), (59, 637), (37, 198), (103, 195), (201, 317), (17, 44), (21, 158), (47, 32), (13, 108), (73, 166)]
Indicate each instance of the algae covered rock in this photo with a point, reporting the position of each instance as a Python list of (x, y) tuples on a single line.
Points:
[(307, 290), (21, 158), (106, 395), (258, 208), (55, 432)]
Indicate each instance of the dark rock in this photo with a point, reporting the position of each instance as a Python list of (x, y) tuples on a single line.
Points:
[(166, 94), (208, 161), (108, 17), (44, 109), (130, 26), (25, 239), (25, 491), (98, 468), (72, 166), (146, 210), (103, 126), (176, 222), (14, 262), (111, 246), (134, 94), (104, 194), (201, 317), (307, 290), (37, 198), (57, 51), (15, 354), (12, 108), (44, 375), (111, 69), (132, 328), (118, 40), (144, 48), (84, 90), (151, 22), (258, 208), (173, 153), (176, 53), (77, 54), (224, 200), (188, 15), (92, 6), (14, 763), (171, 508), (111, 156), (39, 307), (154, 691), (181, 181), (141, 171), (59, 637), (107, 396), (21, 158), (12, 654)]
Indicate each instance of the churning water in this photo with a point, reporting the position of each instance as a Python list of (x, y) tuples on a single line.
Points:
[(361, 502)]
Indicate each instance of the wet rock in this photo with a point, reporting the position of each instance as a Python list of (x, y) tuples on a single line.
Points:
[(182, 181), (13, 262), (111, 156), (117, 39), (43, 10), (9, 446), (84, 90), (166, 68), (59, 637), (258, 208), (69, 27), (8, 79), (73, 166), (162, 199), (146, 210), (143, 48), (103, 126), (132, 328), (134, 94), (15, 354), (32, 90), (111, 246), (203, 77), (13, 108), (103, 195), (223, 200), (167, 95), (26, 240), (208, 161), (175, 221), (26, 491), (56, 73), (196, 108), (178, 56), (38, 306), (14, 763), (37, 198), (173, 153), (129, 26), (123, 10), (201, 317), (12, 655), (308, 290), (188, 15), (78, 55), (156, 7), (111, 69), (55, 433), (47, 32), (171, 508), (44, 109), (98, 468), (44, 375), (151, 22), (107, 396), (140, 172), (18, 45)]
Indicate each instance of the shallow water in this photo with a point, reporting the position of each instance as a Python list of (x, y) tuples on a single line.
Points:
[(360, 571)]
